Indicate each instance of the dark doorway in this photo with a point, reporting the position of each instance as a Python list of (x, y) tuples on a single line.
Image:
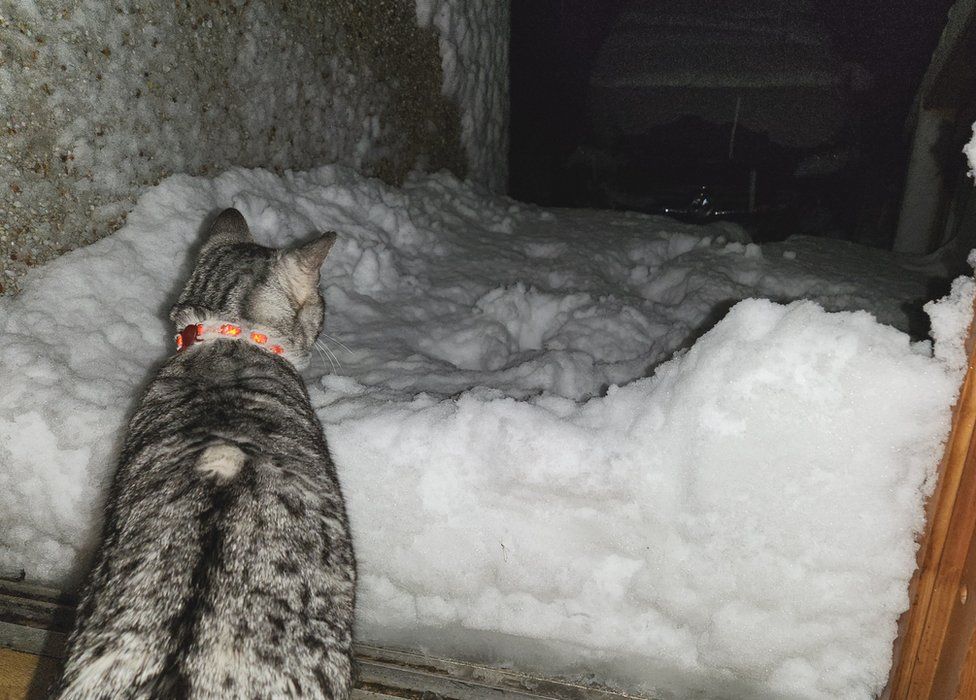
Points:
[(788, 117)]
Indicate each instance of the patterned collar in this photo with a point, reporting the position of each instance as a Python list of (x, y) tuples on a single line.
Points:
[(196, 333)]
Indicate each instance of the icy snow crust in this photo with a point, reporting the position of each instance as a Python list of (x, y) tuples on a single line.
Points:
[(474, 37), (739, 524), (969, 150)]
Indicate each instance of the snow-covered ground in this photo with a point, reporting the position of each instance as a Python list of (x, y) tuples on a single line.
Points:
[(531, 480)]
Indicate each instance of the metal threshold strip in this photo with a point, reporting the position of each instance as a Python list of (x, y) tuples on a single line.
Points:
[(35, 620)]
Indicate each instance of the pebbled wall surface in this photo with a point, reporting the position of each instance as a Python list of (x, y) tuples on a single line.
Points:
[(100, 99)]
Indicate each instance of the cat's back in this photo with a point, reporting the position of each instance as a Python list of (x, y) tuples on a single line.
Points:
[(226, 568)]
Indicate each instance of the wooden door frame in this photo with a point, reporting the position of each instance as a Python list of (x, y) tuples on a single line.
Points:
[(935, 652)]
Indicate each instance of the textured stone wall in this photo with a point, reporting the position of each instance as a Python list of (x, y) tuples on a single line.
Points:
[(99, 99)]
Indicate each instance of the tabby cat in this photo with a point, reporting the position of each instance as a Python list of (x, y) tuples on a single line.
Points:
[(226, 567)]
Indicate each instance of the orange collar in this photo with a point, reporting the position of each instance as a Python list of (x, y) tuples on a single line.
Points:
[(195, 332)]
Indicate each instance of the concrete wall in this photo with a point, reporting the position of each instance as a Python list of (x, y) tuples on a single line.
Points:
[(99, 99)]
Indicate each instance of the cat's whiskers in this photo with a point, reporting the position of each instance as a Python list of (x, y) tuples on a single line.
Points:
[(326, 345), (319, 349), (337, 342), (329, 355)]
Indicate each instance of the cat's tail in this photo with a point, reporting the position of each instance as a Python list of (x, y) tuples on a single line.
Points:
[(222, 461)]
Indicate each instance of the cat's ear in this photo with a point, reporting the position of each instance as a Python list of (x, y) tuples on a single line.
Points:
[(311, 255), (299, 267), (228, 228)]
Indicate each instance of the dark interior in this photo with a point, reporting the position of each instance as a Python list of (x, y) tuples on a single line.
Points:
[(664, 147)]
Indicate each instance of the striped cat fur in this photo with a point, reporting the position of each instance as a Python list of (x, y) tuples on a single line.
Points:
[(226, 568)]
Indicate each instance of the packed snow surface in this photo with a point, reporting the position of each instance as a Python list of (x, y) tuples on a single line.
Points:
[(524, 486)]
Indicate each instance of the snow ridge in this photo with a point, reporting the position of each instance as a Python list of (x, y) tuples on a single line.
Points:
[(522, 484)]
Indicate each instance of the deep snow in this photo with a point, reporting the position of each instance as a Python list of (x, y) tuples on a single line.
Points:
[(523, 487)]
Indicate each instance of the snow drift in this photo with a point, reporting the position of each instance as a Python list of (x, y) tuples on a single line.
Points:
[(523, 486)]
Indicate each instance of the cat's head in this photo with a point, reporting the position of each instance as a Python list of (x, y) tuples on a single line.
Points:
[(235, 280)]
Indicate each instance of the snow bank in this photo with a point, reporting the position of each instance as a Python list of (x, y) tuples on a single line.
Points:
[(969, 150), (521, 491), (745, 517), (474, 36)]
